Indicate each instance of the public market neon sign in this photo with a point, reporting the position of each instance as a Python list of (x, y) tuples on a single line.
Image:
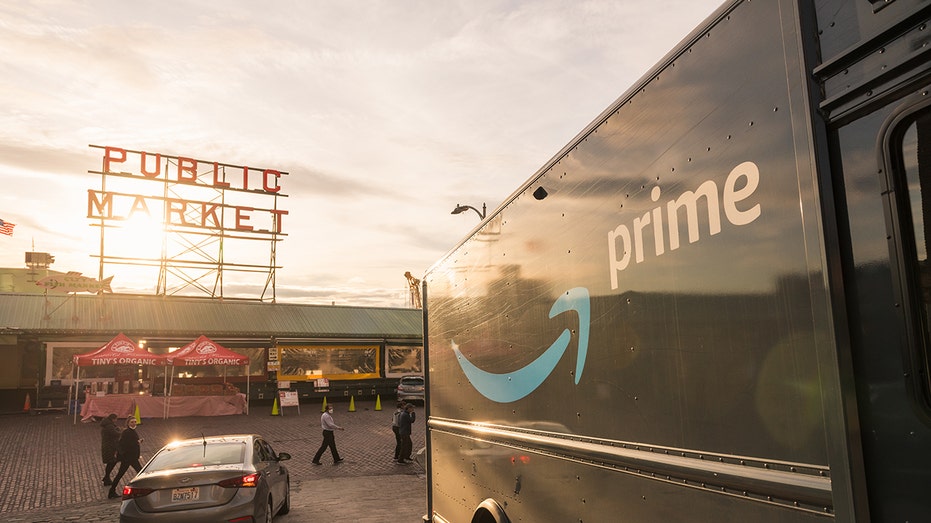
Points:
[(184, 211)]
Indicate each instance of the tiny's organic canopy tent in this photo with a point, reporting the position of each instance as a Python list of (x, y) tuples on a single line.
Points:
[(204, 351), (119, 351)]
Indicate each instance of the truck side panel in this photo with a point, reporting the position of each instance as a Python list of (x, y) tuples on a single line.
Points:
[(715, 303), (642, 329)]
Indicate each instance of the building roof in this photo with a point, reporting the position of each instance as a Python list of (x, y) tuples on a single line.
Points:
[(157, 316)]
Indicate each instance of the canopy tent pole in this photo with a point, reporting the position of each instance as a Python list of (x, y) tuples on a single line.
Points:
[(165, 392), (77, 383), (168, 392)]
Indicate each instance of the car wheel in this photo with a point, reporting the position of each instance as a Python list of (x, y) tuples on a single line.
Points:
[(286, 506)]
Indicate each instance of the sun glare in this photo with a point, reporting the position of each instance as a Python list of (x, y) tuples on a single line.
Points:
[(139, 236)]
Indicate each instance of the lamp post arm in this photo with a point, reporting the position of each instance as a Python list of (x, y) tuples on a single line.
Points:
[(481, 214), (460, 208)]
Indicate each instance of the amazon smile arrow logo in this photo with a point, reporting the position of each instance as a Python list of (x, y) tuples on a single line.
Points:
[(512, 386)]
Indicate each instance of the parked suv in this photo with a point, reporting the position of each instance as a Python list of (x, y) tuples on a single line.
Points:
[(411, 388)]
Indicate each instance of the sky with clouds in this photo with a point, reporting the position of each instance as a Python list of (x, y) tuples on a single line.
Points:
[(384, 114)]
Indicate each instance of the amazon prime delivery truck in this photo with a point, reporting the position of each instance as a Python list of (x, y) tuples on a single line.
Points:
[(711, 305)]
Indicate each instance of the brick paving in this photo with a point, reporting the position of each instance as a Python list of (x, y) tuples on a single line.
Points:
[(52, 466)]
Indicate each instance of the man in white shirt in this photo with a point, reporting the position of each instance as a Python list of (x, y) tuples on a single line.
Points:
[(328, 426)]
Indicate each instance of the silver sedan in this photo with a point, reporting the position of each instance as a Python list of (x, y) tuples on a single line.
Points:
[(216, 478)]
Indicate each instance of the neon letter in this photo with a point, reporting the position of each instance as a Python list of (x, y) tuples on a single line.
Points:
[(101, 206), (277, 218), (108, 157), (265, 174), (245, 178), (176, 207), (241, 218), (139, 205), (187, 165), (211, 211), (158, 165), (216, 176)]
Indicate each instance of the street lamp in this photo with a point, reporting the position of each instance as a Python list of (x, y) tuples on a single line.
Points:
[(463, 208)]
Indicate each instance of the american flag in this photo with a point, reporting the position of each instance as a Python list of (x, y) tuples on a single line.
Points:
[(6, 228)]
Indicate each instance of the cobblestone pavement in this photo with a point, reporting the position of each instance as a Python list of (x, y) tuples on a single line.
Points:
[(53, 470)]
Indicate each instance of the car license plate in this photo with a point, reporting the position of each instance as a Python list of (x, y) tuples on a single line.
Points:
[(185, 494)]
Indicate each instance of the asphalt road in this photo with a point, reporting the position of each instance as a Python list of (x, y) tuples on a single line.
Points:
[(53, 470)]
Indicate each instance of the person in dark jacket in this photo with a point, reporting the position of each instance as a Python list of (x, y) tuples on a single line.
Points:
[(109, 438), (128, 452), (404, 429), (395, 426)]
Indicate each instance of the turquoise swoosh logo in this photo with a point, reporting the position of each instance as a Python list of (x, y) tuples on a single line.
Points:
[(512, 386)]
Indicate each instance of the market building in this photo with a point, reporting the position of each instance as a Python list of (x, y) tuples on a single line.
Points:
[(340, 352)]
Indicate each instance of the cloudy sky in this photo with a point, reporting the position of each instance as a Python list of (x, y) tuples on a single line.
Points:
[(384, 114)]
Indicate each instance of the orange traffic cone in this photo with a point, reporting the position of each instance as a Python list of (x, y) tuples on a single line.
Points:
[(27, 406)]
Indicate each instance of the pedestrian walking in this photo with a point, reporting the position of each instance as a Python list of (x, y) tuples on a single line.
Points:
[(128, 453), (395, 425), (329, 441), (405, 421), (109, 439)]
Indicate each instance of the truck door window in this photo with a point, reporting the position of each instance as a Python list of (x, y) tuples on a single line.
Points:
[(911, 187)]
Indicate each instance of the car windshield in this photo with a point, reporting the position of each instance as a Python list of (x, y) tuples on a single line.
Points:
[(198, 456), (412, 382)]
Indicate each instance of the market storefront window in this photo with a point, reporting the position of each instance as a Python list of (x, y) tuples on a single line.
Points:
[(403, 360), (335, 362)]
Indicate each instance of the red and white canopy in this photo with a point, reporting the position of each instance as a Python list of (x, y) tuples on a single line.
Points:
[(204, 351), (119, 351)]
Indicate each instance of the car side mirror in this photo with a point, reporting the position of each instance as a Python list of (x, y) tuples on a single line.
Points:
[(282, 456)]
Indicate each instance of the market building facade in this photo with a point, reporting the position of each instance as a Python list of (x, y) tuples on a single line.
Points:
[(339, 352)]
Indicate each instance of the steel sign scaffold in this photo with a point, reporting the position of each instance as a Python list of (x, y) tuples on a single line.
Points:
[(188, 220)]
